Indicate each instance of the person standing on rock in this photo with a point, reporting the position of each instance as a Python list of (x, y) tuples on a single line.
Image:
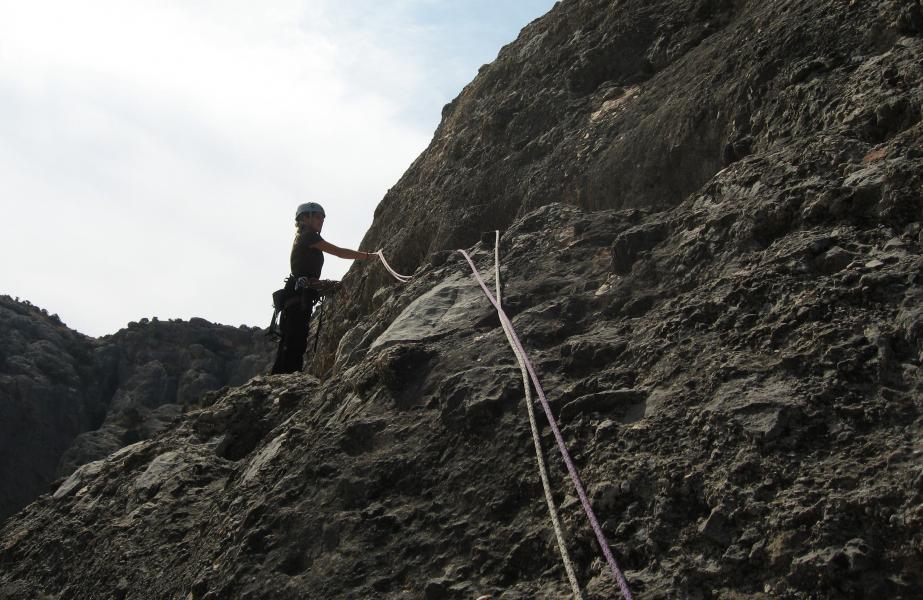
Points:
[(307, 260)]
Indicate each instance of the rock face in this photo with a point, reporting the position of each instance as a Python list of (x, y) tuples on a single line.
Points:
[(640, 103), (157, 370), (712, 250), (50, 391), (68, 399)]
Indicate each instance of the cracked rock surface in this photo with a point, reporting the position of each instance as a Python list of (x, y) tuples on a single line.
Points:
[(750, 429), (712, 217), (67, 399)]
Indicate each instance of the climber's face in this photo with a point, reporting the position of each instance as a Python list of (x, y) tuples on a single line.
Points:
[(316, 222)]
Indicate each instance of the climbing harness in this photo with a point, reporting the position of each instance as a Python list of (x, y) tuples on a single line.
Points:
[(301, 289), (323, 287), (526, 364)]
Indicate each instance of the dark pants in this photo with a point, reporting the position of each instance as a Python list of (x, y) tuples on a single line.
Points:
[(294, 326)]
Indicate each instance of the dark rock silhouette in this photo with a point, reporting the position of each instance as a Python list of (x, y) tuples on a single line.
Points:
[(68, 399), (159, 369), (51, 390), (712, 250)]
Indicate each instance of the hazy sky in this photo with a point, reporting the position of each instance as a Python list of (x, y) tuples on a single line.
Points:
[(152, 152)]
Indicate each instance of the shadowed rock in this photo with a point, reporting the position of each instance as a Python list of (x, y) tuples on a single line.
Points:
[(739, 382), (68, 399)]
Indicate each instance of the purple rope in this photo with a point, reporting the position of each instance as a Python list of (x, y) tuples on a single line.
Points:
[(571, 469)]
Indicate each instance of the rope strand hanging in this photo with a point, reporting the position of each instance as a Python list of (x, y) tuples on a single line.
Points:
[(571, 469), (395, 274), (537, 440), (527, 369)]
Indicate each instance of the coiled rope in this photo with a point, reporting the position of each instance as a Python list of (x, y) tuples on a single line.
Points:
[(536, 438), (571, 469)]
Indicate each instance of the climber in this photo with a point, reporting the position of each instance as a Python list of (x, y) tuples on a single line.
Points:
[(306, 261)]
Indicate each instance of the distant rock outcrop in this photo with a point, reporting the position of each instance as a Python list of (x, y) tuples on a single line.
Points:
[(51, 390), (712, 216), (68, 399), (158, 369)]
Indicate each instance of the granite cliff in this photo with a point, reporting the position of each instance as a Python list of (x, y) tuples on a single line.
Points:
[(712, 218)]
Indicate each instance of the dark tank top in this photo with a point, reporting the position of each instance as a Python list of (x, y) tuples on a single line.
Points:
[(307, 261)]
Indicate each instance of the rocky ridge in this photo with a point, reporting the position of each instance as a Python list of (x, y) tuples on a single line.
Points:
[(68, 399), (730, 335), (50, 392), (756, 434)]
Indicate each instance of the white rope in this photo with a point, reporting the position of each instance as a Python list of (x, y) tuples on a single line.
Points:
[(497, 270), (525, 369), (395, 274), (536, 438), (559, 438)]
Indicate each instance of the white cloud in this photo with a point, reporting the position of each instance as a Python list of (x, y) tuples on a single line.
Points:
[(152, 152)]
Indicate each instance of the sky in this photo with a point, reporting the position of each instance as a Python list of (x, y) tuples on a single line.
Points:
[(153, 152)]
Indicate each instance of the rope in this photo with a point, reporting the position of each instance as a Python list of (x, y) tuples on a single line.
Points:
[(320, 323), (571, 469), (497, 273), (395, 274), (536, 438), (526, 367)]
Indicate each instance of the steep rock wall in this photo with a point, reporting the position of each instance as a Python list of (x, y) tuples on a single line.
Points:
[(50, 391), (637, 104), (67, 399), (747, 422), (734, 357)]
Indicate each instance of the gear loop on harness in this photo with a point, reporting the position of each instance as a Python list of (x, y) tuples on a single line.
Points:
[(308, 291)]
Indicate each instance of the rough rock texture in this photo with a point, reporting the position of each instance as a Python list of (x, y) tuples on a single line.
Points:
[(157, 370), (50, 391), (725, 311), (639, 103), (747, 422), (67, 399)]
